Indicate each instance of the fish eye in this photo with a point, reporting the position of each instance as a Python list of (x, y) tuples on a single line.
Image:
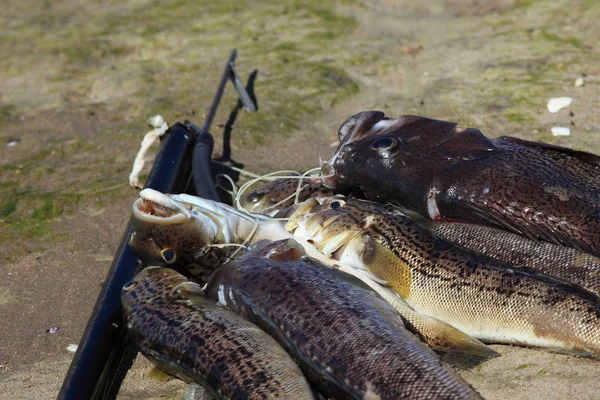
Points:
[(256, 197), (385, 143), (334, 205), (168, 255), (129, 286)]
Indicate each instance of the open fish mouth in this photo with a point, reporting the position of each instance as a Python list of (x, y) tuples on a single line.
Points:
[(322, 223), (153, 206)]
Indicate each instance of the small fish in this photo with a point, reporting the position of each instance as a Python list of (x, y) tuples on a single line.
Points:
[(560, 262), (538, 190), (187, 335), (485, 298), (278, 194), (192, 234), (348, 341)]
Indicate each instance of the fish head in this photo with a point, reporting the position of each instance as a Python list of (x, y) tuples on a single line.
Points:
[(153, 285), (281, 193), (169, 231), (150, 285), (266, 197), (409, 147), (327, 222)]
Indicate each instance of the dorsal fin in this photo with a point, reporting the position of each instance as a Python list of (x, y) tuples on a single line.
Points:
[(466, 144), (583, 156)]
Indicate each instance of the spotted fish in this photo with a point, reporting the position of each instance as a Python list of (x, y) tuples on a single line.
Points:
[(557, 261), (273, 196), (348, 341), (485, 298), (443, 172), (191, 337)]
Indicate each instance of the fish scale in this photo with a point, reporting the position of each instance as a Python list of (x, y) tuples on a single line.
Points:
[(564, 263), (189, 336), (485, 298), (349, 342)]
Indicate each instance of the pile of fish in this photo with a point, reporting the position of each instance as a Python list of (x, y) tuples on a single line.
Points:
[(418, 243)]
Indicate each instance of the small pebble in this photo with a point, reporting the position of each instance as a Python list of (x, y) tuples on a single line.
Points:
[(72, 348), (52, 329), (579, 82), (12, 143), (560, 131), (558, 103)]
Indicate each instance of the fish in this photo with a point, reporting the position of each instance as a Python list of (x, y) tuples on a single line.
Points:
[(564, 263), (281, 193), (194, 235), (492, 301), (349, 342), (443, 172), (189, 336)]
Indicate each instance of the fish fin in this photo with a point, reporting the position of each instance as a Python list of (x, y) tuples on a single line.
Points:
[(466, 144), (488, 216), (382, 264), (159, 375), (450, 344), (583, 156), (359, 125)]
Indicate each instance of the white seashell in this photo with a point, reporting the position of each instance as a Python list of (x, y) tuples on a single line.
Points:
[(558, 103), (560, 131), (72, 348), (579, 82)]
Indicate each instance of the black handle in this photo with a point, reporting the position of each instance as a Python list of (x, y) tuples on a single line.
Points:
[(93, 371)]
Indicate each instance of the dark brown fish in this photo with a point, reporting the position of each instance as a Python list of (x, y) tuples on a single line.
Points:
[(348, 341), (444, 172), (191, 337)]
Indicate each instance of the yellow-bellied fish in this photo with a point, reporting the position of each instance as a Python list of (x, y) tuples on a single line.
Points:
[(485, 298)]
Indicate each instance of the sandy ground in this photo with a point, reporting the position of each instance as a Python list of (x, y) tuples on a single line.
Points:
[(79, 79)]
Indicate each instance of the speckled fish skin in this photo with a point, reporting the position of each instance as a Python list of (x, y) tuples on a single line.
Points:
[(561, 262), (189, 336), (278, 194), (348, 341), (485, 298), (444, 172)]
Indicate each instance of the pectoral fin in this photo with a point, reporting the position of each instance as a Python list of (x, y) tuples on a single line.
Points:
[(530, 231), (451, 345)]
